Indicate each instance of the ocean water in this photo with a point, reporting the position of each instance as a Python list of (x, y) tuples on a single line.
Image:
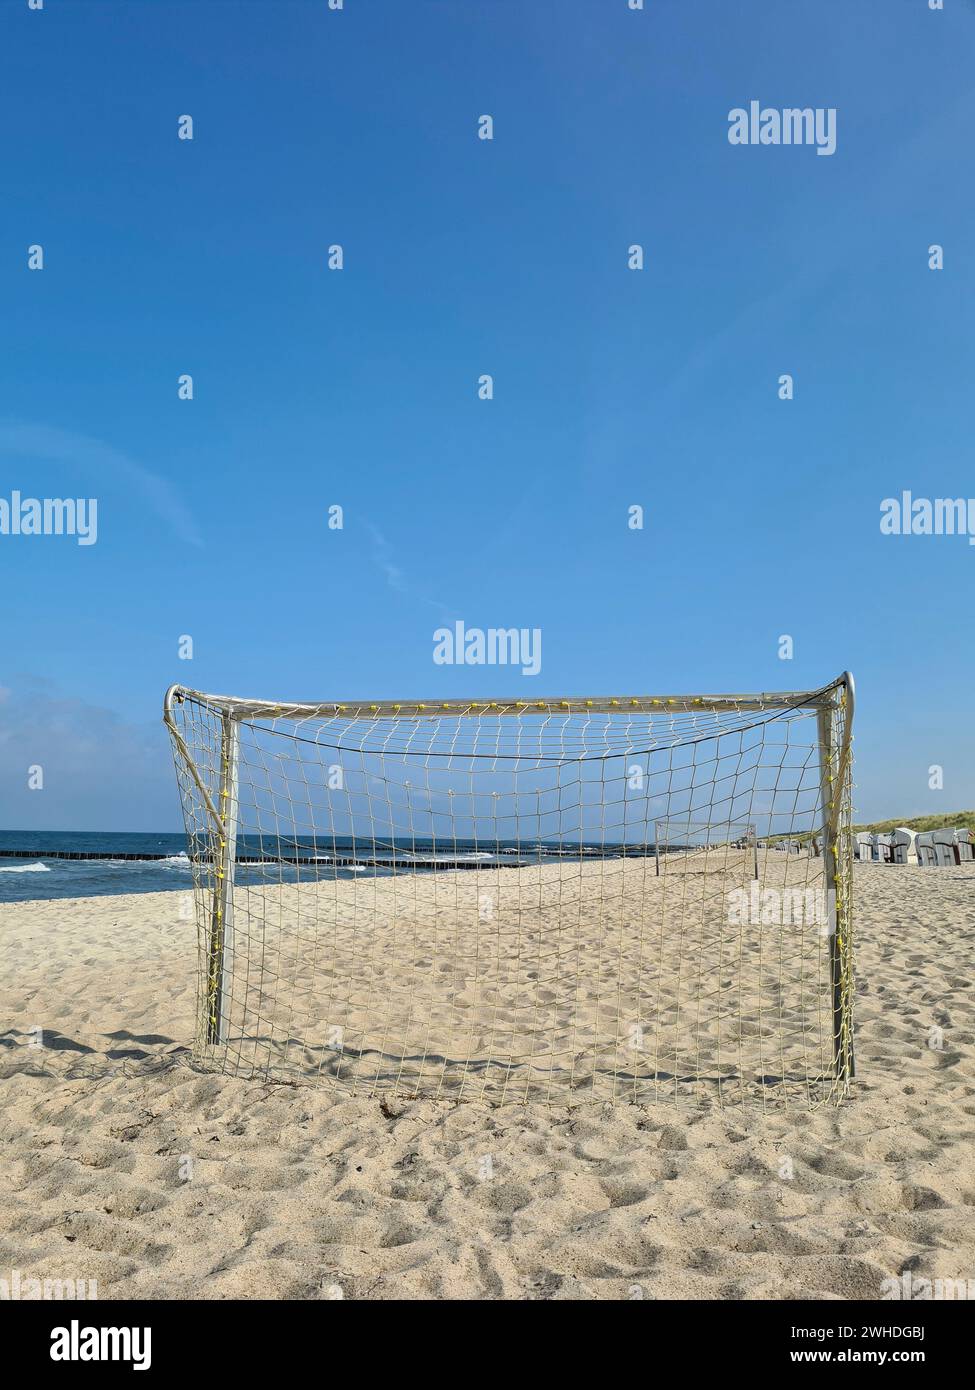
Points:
[(42, 875)]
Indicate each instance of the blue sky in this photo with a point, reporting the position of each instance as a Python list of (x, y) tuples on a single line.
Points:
[(612, 387)]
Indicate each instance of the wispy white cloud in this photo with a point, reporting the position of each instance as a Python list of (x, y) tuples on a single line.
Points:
[(382, 557), (395, 577), (21, 440)]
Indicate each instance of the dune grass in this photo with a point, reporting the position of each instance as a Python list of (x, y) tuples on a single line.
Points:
[(954, 819)]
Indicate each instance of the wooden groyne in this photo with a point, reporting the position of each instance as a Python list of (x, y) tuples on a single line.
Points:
[(73, 854), (507, 859), (367, 861)]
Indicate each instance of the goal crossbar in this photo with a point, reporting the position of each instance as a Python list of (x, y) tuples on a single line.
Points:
[(239, 708)]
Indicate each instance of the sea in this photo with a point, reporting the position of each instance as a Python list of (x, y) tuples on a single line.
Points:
[(44, 876), (129, 862)]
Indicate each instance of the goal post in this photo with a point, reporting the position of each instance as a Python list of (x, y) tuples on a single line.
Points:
[(834, 728), (223, 839), (559, 899)]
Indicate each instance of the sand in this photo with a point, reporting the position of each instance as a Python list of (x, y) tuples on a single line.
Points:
[(126, 1165), (568, 982)]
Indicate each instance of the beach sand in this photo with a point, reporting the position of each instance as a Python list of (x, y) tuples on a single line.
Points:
[(126, 1165)]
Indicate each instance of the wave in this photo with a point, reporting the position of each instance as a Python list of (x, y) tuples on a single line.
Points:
[(172, 861), (37, 868)]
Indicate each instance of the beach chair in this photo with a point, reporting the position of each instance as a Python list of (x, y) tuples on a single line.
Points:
[(963, 846), (902, 846), (885, 849), (944, 848), (864, 847), (927, 856)]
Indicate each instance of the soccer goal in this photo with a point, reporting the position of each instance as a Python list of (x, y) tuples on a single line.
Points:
[(555, 899), (706, 840)]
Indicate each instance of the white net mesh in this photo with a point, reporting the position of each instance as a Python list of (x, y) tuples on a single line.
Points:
[(564, 900)]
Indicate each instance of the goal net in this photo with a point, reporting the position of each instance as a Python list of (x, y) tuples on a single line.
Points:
[(564, 899)]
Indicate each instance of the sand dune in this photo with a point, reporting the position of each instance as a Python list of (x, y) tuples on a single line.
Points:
[(126, 1165)]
